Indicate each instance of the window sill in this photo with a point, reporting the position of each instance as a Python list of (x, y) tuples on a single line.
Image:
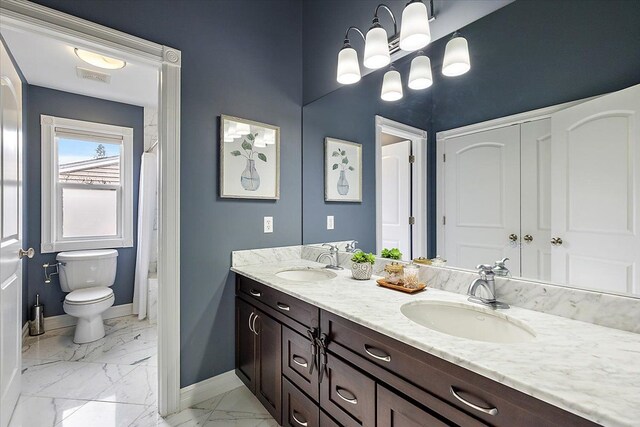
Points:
[(81, 245)]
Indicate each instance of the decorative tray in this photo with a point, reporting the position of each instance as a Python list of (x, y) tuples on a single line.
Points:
[(381, 282)]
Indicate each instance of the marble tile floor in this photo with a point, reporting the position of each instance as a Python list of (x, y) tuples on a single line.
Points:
[(112, 383)]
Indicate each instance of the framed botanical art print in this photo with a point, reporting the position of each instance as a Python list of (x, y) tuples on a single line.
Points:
[(249, 159), (342, 171)]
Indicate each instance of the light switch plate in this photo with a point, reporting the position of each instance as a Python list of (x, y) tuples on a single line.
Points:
[(268, 224), (330, 223)]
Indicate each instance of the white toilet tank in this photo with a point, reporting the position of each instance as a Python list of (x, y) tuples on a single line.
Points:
[(86, 269)]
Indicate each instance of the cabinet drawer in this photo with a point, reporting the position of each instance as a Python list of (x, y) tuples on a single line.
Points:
[(297, 362), (297, 409), (395, 411), (347, 394), (300, 311)]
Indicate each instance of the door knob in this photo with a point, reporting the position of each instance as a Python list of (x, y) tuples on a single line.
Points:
[(556, 241), (528, 238), (29, 253), (513, 237)]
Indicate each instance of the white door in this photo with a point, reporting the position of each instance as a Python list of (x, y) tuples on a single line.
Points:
[(396, 197), (10, 235), (535, 155), (595, 166), (482, 198)]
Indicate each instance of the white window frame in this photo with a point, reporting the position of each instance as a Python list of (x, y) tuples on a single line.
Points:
[(51, 210)]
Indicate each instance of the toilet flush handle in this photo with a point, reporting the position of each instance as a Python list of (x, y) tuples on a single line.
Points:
[(47, 275)]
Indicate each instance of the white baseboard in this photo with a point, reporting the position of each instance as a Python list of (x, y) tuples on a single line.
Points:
[(212, 387), (64, 320)]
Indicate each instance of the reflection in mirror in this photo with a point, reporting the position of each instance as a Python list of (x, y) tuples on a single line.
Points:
[(533, 154)]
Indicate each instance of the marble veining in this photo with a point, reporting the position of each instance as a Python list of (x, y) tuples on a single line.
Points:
[(584, 368)]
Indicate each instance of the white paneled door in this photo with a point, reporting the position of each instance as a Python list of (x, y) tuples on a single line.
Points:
[(10, 235), (482, 198), (396, 197), (595, 182)]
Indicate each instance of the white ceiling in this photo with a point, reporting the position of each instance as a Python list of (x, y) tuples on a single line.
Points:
[(52, 63)]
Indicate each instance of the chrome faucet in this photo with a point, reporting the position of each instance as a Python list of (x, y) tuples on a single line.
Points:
[(351, 246), (332, 255), (487, 282)]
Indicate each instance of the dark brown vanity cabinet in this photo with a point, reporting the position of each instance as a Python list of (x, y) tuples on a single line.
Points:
[(368, 379), (258, 355)]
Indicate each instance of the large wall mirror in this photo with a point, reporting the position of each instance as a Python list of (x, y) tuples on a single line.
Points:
[(533, 154)]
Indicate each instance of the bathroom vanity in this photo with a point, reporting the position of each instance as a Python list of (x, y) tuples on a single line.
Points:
[(340, 352)]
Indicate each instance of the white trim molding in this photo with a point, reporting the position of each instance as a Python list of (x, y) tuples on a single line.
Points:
[(65, 320), (418, 138), (209, 388), (27, 17)]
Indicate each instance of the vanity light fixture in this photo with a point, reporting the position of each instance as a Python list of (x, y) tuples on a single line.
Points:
[(456, 56), (420, 76), (391, 86), (348, 66), (376, 47), (100, 61), (415, 32)]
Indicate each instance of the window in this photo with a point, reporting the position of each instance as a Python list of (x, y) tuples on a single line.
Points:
[(87, 185)]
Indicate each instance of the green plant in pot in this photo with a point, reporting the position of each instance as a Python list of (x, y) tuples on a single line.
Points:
[(362, 266), (393, 253)]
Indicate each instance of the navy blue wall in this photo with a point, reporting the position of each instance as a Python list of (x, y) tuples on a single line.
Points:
[(63, 104), (242, 58), (524, 56)]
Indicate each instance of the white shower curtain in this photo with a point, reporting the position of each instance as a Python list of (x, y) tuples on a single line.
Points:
[(146, 217)]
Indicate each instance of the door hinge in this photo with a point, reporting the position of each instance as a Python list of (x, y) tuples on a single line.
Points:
[(412, 158), (444, 220), (412, 220), (444, 157)]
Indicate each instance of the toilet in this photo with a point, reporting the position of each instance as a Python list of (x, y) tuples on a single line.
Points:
[(88, 277)]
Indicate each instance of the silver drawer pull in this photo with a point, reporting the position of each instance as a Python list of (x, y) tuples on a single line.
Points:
[(251, 318), (283, 307), (491, 411), (300, 361), (302, 423), (253, 325), (385, 358), (255, 293), (353, 400)]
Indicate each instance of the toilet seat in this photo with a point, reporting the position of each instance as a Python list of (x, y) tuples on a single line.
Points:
[(89, 295)]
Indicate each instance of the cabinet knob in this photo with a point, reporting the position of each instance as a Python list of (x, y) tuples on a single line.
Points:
[(528, 238), (556, 241), (513, 237)]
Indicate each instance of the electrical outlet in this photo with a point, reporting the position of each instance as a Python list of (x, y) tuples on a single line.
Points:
[(268, 224), (330, 223)]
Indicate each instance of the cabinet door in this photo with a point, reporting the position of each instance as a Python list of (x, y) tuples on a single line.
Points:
[(297, 409), (269, 363), (298, 364), (396, 411), (245, 344)]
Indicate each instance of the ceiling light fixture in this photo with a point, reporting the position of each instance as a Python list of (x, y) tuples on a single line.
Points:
[(415, 34), (99, 60)]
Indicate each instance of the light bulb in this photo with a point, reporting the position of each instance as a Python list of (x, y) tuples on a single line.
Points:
[(414, 32), (99, 60)]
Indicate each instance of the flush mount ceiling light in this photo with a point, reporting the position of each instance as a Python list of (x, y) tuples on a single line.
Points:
[(414, 34), (99, 60), (456, 56)]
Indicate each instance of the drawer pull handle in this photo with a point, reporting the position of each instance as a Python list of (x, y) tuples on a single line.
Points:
[(253, 325), (300, 361), (255, 293), (302, 423), (385, 358), (491, 411), (353, 400), (250, 319), (283, 307)]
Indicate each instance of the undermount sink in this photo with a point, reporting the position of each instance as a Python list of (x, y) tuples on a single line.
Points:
[(466, 321), (306, 275)]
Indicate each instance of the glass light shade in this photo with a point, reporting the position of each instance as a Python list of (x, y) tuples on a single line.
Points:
[(348, 67), (456, 57), (391, 86), (376, 49), (420, 75), (414, 32), (100, 61), (243, 129)]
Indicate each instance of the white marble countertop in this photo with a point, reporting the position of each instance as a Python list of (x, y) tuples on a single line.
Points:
[(590, 370)]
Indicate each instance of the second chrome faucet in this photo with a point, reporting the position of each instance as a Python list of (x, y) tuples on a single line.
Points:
[(486, 281)]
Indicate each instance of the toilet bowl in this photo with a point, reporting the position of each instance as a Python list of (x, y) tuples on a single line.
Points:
[(88, 277)]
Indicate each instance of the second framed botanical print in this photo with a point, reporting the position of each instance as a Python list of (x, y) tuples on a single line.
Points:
[(342, 171)]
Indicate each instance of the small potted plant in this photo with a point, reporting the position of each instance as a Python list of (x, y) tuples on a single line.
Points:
[(393, 253), (362, 266)]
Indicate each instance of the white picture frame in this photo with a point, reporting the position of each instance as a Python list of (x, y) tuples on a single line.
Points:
[(249, 159), (342, 171)]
